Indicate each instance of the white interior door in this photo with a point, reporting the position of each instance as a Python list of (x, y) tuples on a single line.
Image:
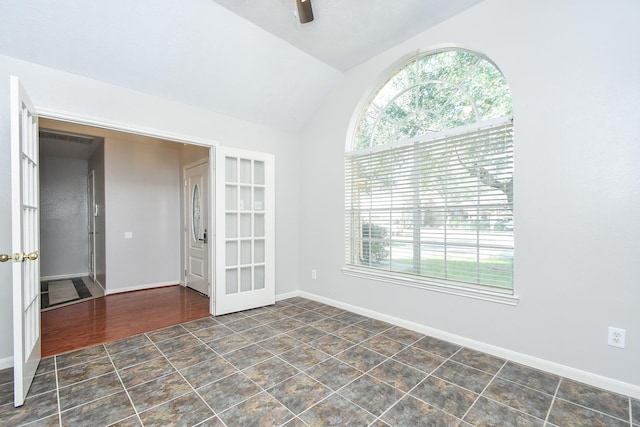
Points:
[(245, 246), (91, 210), (25, 222), (197, 233)]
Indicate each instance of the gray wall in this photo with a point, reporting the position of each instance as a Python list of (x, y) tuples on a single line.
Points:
[(137, 187), (142, 198), (573, 71), (63, 217)]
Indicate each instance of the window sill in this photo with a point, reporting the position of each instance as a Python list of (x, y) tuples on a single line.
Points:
[(497, 296)]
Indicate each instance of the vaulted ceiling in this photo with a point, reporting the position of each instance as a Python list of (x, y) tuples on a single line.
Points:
[(249, 59)]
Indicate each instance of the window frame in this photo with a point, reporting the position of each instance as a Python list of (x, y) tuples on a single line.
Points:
[(471, 290)]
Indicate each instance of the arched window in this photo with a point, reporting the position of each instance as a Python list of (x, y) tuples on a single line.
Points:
[(429, 177)]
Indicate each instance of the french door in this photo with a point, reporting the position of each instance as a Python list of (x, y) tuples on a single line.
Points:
[(245, 246), (25, 223)]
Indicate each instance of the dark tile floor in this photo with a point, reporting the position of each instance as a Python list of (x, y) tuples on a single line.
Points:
[(301, 363)]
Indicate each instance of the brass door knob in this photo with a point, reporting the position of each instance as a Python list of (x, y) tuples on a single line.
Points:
[(19, 257)]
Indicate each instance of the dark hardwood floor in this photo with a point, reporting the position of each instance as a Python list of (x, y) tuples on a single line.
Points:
[(118, 316)]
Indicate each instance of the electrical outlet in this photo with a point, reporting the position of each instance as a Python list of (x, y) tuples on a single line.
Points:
[(314, 274), (616, 337)]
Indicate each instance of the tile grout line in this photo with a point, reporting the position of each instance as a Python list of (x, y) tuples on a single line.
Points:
[(300, 371), (135, 410), (93, 400), (597, 411), (227, 376), (326, 398), (481, 394), (238, 371), (215, 414), (55, 367), (362, 374), (553, 401), (408, 393), (528, 387)]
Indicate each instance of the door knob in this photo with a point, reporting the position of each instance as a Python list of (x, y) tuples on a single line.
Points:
[(20, 257), (204, 239)]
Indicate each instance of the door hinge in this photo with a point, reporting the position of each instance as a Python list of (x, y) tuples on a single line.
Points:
[(185, 273)]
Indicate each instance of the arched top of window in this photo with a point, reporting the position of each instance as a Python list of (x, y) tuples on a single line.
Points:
[(433, 92)]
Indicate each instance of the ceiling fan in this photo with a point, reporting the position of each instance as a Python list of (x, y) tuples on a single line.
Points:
[(305, 13)]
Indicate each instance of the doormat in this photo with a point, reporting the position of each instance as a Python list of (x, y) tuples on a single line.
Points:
[(59, 292)]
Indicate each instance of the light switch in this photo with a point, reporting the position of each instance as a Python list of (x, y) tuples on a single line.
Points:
[(128, 234)]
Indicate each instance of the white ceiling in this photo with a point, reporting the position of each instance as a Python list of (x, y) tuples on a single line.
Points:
[(346, 33), (250, 59)]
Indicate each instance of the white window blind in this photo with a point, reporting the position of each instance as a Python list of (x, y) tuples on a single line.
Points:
[(437, 206)]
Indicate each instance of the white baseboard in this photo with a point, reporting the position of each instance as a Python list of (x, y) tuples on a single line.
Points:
[(139, 287), (595, 380), (7, 362), (288, 295), (64, 276)]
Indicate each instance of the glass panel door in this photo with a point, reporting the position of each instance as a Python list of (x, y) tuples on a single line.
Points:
[(247, 280)]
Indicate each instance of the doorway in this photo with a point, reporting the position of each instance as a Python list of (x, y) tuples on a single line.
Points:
[(132, 212), (141, 220), (65, 163)]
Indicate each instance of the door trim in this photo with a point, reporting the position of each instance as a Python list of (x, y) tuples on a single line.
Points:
[(65, 116)]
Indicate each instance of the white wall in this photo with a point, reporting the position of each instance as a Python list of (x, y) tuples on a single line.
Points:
[(574, 71), (64, 245), (53, 90), (142, 197)]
